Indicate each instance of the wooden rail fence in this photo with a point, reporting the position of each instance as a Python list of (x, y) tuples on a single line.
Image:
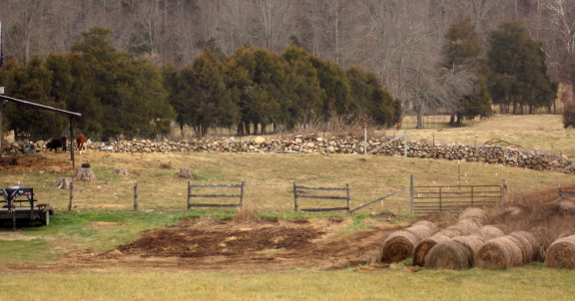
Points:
[(299, 192), (193, 195)]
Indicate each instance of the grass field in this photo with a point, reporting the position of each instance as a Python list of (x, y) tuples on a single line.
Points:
[(269, 179)]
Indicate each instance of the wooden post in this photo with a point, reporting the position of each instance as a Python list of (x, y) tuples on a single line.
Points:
[(72, 141), (242, 193), (365, 141), (136, 196), (71, 196), (504, 191), (411, 193), (1, 133), (189, 193), (295, 196), (348, 199), (559, 193)]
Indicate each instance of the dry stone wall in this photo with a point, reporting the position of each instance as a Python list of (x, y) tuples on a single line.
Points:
[(492, 154)]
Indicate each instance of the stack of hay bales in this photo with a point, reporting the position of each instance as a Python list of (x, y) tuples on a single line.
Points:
[(469, 222), (457, 253), (399, 245), (561, 253), (515, 249)]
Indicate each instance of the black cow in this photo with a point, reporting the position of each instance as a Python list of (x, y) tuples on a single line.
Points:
[(56, 143)]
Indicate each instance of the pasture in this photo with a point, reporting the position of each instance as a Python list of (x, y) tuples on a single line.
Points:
[(102, 250)]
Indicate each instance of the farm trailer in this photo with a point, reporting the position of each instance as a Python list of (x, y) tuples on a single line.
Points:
[(20, 204)]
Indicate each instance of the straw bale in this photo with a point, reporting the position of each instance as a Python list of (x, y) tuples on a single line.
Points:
[(561, 254), (476, 213), (399, 245), (489, 232), (500, 253), (450, 232), (528, 243), (449, 255)]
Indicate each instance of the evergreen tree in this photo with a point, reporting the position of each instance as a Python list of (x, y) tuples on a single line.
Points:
[(130, 91), (519, 74), (373, 101), (32, 83), (461, 51)]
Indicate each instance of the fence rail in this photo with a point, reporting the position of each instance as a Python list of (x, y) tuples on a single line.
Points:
[(300, 193), (220, 205)]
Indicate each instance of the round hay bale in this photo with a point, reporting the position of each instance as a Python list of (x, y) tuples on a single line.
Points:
[(528, 243), (499, 253), (424, 246), (561, 254), (468, 226), (399, 245), (567, 206), (451, 232), (428, 224), (471, 242), (566, 233), (450, 255), (476, 213), (489, 232)]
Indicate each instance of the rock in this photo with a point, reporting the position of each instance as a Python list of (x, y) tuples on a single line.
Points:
[(259, 140)]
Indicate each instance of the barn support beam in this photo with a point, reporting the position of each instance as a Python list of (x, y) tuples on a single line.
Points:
[(72, 142), (2, 103)]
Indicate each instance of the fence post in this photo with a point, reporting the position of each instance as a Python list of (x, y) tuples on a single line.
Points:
[(471, 196), (348, 200), (559, 193), (136, 196), (71, 196), (365, 141), (189, 192), (504, 191), (295, 196), (242, 194), (411, 193)]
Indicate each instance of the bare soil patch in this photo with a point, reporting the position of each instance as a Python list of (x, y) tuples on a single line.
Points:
[(37, 162)]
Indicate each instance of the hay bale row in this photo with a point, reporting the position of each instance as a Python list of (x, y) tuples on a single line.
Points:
[(399, 245), (561, 253), (469, 222), (515, 249), (457, 253)]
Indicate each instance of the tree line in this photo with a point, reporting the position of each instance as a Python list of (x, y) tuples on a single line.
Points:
[(119, 94), (123, 94)]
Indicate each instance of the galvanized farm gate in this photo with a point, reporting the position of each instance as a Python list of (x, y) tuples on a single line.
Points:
[(299, 192), (191, 195), (561, 193), (436, 199)]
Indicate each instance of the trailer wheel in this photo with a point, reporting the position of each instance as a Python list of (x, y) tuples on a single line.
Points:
[(45, 217)]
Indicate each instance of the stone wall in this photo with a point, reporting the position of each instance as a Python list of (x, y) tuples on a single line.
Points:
[(491, 154)]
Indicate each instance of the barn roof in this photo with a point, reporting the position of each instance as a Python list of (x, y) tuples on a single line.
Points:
[(40, 106)]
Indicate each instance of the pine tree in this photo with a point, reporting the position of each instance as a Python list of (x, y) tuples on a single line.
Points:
[(519, 74)]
